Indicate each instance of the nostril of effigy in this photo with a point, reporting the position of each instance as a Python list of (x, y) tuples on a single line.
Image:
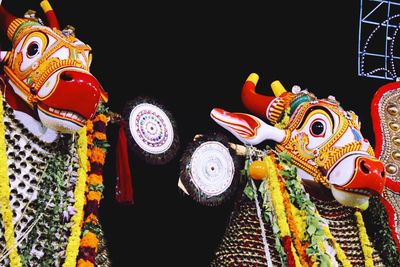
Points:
[(363, 167), (66, 76)]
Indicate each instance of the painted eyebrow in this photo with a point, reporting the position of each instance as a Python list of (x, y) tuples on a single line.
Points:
[(303, 121)]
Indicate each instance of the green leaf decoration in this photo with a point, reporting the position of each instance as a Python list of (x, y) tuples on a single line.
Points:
[(248, 190), (285, 156), (311, 229), (377, 225)]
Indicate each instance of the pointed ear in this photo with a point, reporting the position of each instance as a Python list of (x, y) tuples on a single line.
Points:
[(247, 128)]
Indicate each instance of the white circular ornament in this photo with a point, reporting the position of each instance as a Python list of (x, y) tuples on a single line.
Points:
[(151, 128), (212, 168)]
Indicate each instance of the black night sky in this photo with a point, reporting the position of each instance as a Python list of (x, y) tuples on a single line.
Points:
[(194, 56)]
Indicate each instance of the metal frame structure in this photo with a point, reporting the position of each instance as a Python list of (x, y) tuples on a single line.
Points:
[(379, 23)]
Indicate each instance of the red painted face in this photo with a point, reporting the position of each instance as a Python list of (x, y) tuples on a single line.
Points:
[(75, 96), (369, 175), (50, 68)]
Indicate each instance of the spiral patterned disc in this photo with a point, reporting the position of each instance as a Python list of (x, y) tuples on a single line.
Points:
[(212, 168), (151, 128)]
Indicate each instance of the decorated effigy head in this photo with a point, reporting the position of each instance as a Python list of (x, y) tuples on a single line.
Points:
[(49, 69), (323, 140)]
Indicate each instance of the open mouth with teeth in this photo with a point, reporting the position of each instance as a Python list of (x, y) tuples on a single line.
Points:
[(70, 116), (362, 191), (354, 197)]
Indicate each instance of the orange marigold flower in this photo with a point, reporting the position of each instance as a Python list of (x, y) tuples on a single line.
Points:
[(99, 135), (97, 155), (89, 153), (84, 263), (95, 179), (90, 140), (101, 117), (90, 240), (91, 219), (89, 126), (94, 195)]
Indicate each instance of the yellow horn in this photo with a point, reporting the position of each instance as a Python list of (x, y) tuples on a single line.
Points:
[(278, 88), (253, 77)]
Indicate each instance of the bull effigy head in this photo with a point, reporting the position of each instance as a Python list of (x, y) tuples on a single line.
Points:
[(323, 140), (48, 68)]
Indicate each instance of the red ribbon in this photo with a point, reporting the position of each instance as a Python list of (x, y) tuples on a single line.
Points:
[(123, 187)]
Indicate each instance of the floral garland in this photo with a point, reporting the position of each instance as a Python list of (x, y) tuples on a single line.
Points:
[(306, 238), (310, 233), (83, 240), (56, 180), (279, 211), (365, 243), (303, 258), (315, 248), (378, 227), (97, 148), (79, 193), (15, 260)]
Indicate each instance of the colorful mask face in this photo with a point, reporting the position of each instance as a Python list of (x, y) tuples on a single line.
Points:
[(49, 70), (324, 140)]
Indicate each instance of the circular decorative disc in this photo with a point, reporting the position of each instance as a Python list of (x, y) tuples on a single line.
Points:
[(151, 130), (212, 168)]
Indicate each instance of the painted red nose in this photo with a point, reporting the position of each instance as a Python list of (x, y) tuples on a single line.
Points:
[(369, 174), (76, 91)]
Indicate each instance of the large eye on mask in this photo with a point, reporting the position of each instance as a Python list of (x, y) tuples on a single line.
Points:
[(318, 128), (318, 125), (32, 49)]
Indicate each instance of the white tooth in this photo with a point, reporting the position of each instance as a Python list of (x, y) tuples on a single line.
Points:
[(74, 116), (51, 109), (63, 113), (57, 111)]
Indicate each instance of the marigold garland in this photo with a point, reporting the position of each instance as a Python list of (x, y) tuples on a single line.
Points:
[(79, 193), (292, 225), (94, 188), (97, 155), (365, 243), (6, 212), (277, 200), (298, 223), (339, 252), (315, 237), (276, 197), (314, 241)]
